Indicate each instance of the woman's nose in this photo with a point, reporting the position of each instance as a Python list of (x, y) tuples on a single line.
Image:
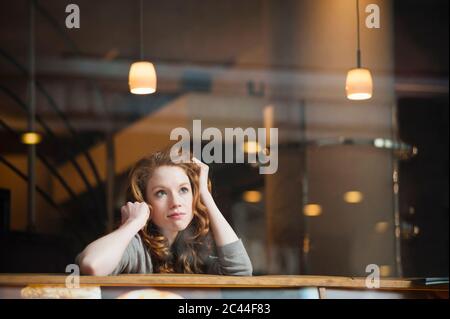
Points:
[(176, 200)]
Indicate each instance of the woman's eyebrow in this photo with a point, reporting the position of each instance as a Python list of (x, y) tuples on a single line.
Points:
[(160, 186)]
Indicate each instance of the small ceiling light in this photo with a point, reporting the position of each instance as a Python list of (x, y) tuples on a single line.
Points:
[(359, 84), (31, 138), (353, 197), (142, 76), (312, 210), (252, 196)]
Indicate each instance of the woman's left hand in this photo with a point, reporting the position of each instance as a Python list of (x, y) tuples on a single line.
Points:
[(204, 170)]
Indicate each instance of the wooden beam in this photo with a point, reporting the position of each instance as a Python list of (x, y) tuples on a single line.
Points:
[(209, 281)]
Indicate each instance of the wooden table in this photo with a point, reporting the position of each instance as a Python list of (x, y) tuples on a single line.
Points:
[(212, 287)]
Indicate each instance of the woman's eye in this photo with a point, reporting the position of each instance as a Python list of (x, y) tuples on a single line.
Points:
[(184, 189), (160, 193)]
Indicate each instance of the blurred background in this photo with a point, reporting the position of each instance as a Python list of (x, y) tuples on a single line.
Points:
[(359, 181)]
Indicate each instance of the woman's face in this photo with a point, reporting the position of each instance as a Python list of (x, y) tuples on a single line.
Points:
[(169, 193)]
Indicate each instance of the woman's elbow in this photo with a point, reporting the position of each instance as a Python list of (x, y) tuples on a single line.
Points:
[(246, 270), (89, 267), (247, 267), (86, 268)]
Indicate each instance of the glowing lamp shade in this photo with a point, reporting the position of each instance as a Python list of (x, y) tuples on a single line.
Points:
[(359, 84), (142, 78)]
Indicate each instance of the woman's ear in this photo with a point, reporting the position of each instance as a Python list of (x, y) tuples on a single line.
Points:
[(151, 211), (209, 185)]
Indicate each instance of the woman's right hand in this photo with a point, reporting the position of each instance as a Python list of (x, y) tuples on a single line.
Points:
[(137, 211)]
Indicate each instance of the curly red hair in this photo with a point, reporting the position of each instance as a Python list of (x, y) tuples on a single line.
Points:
[(192, 246)]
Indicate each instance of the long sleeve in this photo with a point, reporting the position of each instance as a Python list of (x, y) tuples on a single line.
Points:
[(232, 260), (135, 259)]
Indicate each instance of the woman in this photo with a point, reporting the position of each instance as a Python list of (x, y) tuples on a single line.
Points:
[(166, 226)]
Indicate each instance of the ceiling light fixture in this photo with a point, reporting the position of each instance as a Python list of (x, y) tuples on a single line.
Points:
[(142, 76), (359, 84)]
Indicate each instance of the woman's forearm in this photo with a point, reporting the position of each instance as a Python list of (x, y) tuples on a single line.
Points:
[(101, 257), (222, 231)]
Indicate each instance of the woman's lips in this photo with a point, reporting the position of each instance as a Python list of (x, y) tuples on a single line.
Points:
[(176, 215)]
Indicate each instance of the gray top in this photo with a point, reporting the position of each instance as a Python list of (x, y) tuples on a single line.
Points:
[(232, 259)]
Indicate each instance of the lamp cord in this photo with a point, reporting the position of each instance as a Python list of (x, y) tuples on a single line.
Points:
[(142, 30), (358, 49)]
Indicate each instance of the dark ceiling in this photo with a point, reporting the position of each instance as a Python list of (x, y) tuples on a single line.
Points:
[(421, 38), (421, 31)]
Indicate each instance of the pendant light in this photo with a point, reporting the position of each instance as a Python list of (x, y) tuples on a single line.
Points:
[(359, 84), (142, 76)]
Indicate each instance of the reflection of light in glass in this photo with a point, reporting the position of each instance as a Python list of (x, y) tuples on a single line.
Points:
[(149, 293), (385, 270), (31, 138), (312, 210), (306, 244), (268, 121), (353, 197), (252, 147), (252, 196), (379, 142), (383, 143), (395, 188), (381, 227)]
